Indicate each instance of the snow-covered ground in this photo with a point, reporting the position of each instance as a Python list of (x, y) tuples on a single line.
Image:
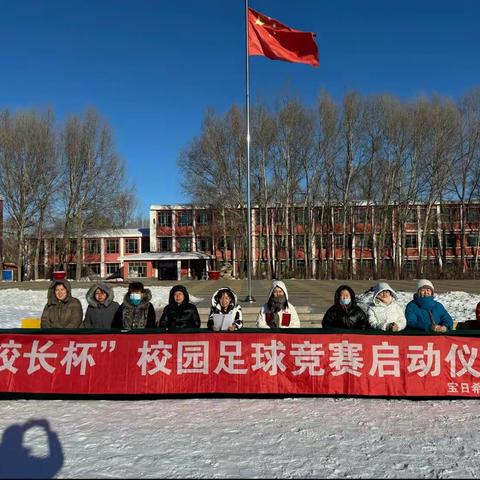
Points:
[(238, 438)]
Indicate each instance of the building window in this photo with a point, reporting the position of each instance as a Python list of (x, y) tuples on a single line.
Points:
[(363, 241), (131, 245), (325, 241), (449, 214), (280, 242), (410, 241), (185, 244), (299, 242), (164, 219), (203, 218), (93, 246), (472, 215), (431, 241), (388, 240), (338, 216), (411, 215), (362, 215), (164, 244), (113, 245), (300, 217), (112, 268), (450, 241), (472, 240), (410, 265), (184, 219), (93, 268), (204, 244), (338, 242), (73, 247), (137, 269)]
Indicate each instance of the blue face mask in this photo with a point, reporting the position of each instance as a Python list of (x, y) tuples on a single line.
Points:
[(135, 298), (345, 301)]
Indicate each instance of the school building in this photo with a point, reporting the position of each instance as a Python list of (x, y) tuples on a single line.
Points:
[(191, 242)]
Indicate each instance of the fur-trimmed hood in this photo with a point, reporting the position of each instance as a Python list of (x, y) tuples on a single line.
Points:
[(216, 297), (147, 296), (51, 298)]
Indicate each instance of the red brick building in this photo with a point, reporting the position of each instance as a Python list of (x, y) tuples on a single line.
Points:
[(363, 241)]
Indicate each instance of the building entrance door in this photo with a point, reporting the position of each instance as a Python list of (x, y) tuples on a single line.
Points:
[(167, 270)]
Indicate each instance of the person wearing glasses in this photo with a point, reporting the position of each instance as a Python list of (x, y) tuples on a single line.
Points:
[(384, 313)]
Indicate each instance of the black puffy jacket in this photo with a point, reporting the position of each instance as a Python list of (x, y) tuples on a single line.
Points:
[(177, 316), (345, 316)]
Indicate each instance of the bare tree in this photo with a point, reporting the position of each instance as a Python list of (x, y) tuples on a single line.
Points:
[(27, 164), (92, 178)]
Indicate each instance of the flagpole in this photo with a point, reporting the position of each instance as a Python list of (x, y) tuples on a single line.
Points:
[(249, 297)]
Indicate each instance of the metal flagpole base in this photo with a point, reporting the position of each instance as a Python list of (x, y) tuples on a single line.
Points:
[(249, 299)]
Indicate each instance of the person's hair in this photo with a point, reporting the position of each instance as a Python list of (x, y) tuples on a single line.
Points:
[(270, 300), (136, 287), (223, 291)]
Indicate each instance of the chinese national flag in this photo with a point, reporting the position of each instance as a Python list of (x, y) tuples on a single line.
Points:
[(272, 39)]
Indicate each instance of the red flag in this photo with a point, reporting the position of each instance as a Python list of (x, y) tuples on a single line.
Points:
[(272, 39)]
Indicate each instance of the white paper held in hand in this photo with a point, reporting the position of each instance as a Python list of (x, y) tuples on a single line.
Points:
[(221, 321)]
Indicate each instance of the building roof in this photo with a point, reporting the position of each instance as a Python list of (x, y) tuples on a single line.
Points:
[(150, 256), (118, 232)]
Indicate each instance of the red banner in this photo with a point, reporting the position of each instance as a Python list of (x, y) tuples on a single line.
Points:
[(240, 363)]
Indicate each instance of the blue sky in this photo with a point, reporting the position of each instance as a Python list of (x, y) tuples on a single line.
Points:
[(152, 68)]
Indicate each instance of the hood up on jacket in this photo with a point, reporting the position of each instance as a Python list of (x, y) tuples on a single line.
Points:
[(380, 287), (178, 288), (337, 296), (92, 301), (278, 283), (216, 296), (51, 298), (147, 296)]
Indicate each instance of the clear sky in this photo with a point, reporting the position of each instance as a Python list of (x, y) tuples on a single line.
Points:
[(152, 68)]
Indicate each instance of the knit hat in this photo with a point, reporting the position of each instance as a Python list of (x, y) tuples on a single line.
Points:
[(425, 283)]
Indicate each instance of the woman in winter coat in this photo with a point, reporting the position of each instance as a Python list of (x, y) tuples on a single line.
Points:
[(179, 313), (136, 311), (425, 313), (101, 308), (477, 312), (345, 313), (224, 302), (278, 312), (62, 310), (384, 313)]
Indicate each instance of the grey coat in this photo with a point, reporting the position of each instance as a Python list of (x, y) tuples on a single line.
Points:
[(62, 314), (100, 315)]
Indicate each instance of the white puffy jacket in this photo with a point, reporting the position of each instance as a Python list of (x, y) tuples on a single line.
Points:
[(380, 315)]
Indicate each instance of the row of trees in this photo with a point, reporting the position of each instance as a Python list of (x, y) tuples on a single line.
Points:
[(64, 179), (376, 149)]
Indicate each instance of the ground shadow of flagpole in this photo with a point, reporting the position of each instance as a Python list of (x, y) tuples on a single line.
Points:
[(17, 461)]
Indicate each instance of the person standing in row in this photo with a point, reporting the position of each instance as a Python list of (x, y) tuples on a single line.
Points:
[(101, 308), (179, 313), (62, 310), (136, 311), (278, 312), (225, 304), (425, 313)]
